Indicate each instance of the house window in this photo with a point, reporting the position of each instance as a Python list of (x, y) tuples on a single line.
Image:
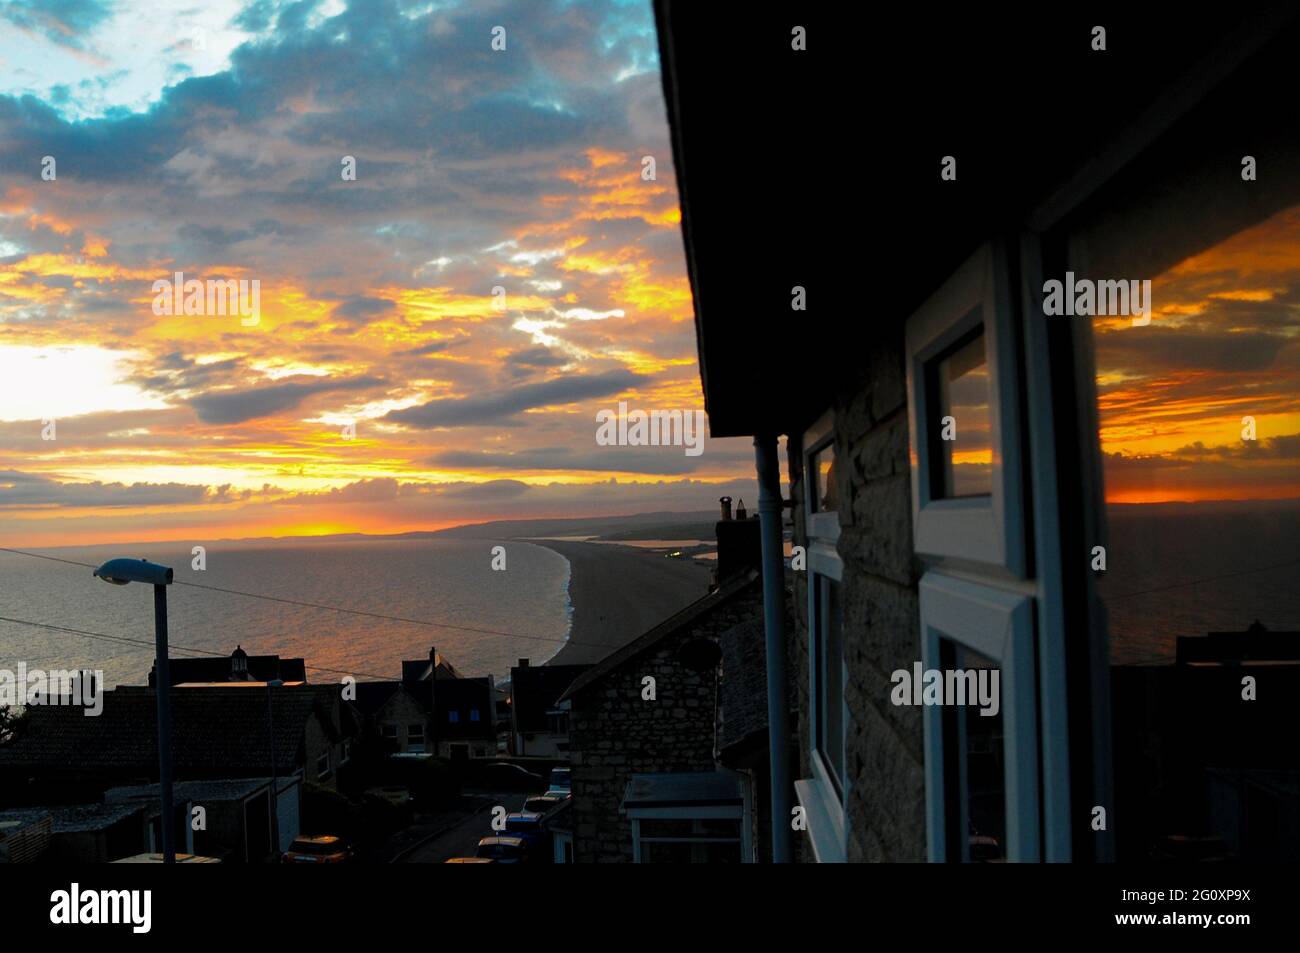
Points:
[(323, 765), (473, 714), (687, 840), (1195, 542), (453, 716), (963, 406), (821, 478), (388, 731), (823, 794), (346, 752), (828, 658), (981, 732), (961, 443), (415, 736)]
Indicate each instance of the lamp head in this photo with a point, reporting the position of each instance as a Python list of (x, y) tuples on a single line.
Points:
[(121, 571)]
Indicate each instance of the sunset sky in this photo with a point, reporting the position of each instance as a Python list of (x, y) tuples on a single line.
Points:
[(1223, 344), (210, 141)]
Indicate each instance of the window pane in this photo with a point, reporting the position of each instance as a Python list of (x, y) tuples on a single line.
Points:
[(830, 679), (822, 471), (963, 452), (1199, 416), (975, 761)]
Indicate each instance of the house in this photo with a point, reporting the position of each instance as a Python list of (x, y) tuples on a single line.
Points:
[(432, 709), (218, 732), (649, 782), (952, 497), (539, 725)]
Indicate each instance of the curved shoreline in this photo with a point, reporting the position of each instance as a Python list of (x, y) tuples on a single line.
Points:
[(617, 593)]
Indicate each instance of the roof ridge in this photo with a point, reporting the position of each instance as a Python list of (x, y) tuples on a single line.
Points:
[(674, 622)]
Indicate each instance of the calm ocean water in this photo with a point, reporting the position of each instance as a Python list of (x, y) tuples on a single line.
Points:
[(1153, 553), (443, 580)]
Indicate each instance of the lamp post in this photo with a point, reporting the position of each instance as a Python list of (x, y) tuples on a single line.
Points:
[(119, 572), (275, 781)]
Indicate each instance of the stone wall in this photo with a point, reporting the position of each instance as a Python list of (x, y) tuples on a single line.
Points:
[(884, 746), (615, 734)]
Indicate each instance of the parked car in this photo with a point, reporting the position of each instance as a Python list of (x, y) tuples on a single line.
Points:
[(544, 803), (504, 776), (469, 860), (560, 784), (325, 849), (503, 850), (527, 826)]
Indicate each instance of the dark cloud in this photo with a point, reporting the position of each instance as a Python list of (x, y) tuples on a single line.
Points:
[(238, 406), (19, 489), (660, 461), (501, 407)]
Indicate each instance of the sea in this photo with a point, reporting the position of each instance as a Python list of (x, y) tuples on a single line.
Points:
[(1172, 570), (439, 581)]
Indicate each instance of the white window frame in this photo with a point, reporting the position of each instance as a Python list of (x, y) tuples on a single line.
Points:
[(999, 625), (823, 804), (325, 757), (562, 845), (734, 812), (823, 524), (987, 530)]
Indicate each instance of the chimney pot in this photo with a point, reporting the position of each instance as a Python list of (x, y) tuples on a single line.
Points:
[(523, 663), (726, 507), (740, 510)]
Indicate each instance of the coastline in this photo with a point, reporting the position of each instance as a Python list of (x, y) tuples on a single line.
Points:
[(617, 593)]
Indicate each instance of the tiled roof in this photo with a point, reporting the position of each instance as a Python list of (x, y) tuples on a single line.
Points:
[(202, 792), (81, 818), (213, 730), (372, 696)]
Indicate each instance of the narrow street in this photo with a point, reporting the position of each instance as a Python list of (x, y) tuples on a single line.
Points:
[(460, 839)]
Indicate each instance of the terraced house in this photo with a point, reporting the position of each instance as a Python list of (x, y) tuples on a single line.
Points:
[(977, 483)]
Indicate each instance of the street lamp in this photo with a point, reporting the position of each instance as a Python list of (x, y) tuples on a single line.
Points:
[(275, 781), (119, 572)]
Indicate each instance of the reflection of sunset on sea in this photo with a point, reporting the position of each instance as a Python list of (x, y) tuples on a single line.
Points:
[(1223, 345), (500, 269)]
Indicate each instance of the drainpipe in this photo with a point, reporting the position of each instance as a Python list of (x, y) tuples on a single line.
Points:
[(778, 726)]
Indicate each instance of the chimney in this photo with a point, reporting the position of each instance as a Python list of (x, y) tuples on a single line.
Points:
[(739, 544), (523, 663)]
